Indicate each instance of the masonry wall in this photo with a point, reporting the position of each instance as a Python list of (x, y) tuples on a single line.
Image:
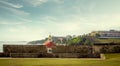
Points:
[(24, 49), (40, 51), (107, 48), (72, 49)]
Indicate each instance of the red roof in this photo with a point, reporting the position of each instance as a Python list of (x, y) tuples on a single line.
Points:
[(49, 44)]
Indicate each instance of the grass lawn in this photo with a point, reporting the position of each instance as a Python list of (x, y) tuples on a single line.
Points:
[(108, 40), (112, 60)]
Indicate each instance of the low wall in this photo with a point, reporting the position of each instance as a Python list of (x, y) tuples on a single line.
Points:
[(72, 49), (107, 48), (24, 49), (40, 51)]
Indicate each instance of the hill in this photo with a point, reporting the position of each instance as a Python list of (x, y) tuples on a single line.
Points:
[(55, 39)]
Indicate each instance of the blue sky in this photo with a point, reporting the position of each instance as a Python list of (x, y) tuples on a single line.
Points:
[(36, 19)]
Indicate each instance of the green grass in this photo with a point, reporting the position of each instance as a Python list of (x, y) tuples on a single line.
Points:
[(108, 40), (112, 60)]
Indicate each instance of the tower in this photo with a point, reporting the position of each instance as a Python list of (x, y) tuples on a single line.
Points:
[(49, 44)]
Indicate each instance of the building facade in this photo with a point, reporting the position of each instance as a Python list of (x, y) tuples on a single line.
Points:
[(106, 34)]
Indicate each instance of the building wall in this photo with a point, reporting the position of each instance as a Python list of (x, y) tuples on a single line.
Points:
[(107, 34)]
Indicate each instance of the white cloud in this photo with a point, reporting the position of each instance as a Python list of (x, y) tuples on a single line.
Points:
[(16, 11), (107, 20), (52, 24), (49, 19), (18, 29), (40, 2), (59, 1), (69, 26), (77, 24), (13, 30), (36, 2), (14, 8), (24, 20), (25, 33), (10, 23), (4, 23), (11, 4)]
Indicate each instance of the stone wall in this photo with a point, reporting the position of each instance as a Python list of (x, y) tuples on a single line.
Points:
[(107, 48), (40, 51), (31, 55), (24, 49), (72, 49)]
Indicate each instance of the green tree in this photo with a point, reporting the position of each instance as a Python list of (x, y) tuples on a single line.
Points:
[(88, 42), (75, 41), (80, 41)]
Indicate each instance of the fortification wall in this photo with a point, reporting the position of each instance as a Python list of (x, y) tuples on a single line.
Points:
[(40, 51), (107, 48), (24, 49), (72, 49)]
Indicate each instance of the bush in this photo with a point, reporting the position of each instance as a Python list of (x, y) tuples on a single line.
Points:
[(116, 49), (104, 49)]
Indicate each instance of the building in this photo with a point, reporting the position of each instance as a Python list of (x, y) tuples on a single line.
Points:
[(106, 34), (49, 44)]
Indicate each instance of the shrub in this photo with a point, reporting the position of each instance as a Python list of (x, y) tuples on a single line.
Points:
[(116, 49), (104, 49)]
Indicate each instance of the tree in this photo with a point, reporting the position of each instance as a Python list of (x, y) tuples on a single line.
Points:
[(97, 35), (75, 41), (80, 40)]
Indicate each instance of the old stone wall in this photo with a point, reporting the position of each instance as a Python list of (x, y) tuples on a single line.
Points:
[(107, 48), (72, 49), (24, 49), (40, 51)]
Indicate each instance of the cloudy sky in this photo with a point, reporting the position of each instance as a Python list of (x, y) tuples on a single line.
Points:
[(36, 19)]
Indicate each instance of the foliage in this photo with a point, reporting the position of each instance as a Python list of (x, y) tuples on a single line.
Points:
[(116, 49), (80, 41), (75, 40), (110, 40), (104, 49), (87, 42)]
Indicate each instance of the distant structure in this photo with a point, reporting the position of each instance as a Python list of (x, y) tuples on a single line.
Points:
[(106, 34), (59, 40), (49, 44)]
